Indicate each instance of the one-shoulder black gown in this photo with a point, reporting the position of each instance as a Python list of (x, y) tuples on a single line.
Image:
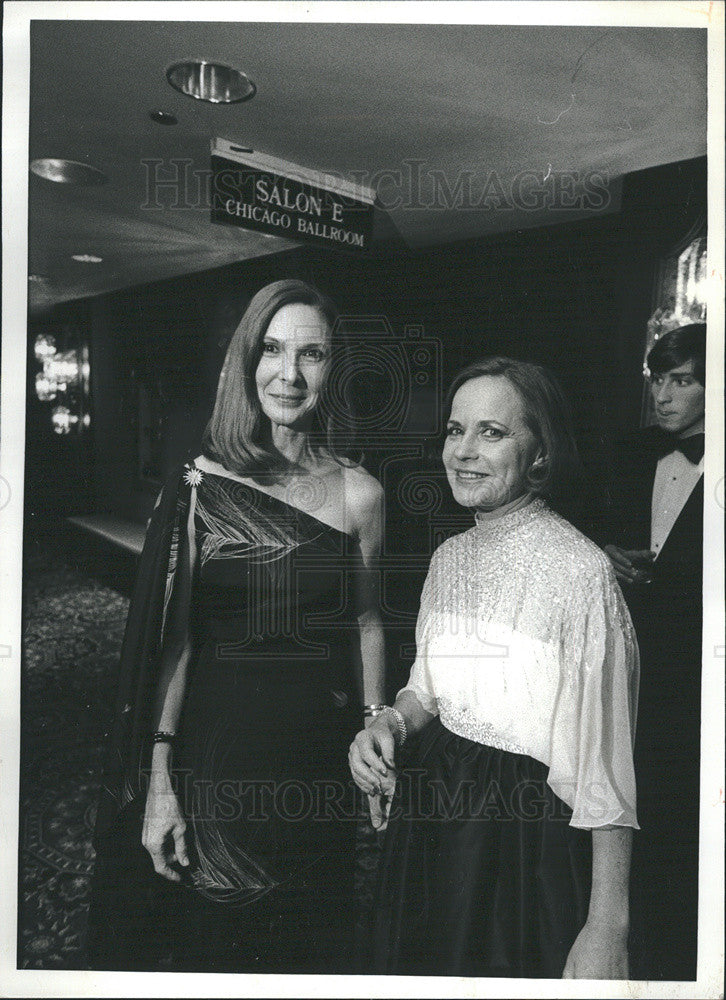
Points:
[(260, 763)]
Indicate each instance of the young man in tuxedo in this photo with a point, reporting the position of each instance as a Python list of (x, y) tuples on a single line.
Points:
[(657, 522)]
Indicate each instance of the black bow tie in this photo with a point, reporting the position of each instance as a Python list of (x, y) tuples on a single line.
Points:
[(692, 447)]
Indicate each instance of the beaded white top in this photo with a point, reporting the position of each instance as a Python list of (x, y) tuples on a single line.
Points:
[(524, 643)]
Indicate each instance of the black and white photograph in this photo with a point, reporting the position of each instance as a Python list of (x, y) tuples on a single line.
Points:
[(362, 499)]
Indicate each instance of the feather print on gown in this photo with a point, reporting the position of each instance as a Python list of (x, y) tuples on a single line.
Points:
[(260, 761)]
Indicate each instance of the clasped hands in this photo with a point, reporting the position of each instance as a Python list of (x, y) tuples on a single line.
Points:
[(372, 763)]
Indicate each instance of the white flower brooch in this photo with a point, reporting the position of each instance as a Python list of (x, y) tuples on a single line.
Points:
[(193, 476)]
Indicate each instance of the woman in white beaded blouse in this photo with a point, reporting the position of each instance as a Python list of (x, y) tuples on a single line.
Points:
[(510, 748)]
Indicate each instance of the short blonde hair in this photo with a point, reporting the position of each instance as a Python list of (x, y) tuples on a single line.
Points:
[(546, 413)]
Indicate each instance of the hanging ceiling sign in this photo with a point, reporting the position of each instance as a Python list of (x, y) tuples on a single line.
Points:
[(274, 196)]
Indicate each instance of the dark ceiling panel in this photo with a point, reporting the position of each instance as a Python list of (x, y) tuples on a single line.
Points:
[(445, 121)]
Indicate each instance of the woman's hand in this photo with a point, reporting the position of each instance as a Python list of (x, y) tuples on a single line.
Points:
[(379, 805), (163, 832), (600, 951), (371, 758)]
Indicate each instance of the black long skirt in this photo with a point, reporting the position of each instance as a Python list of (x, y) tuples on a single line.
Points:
[(482, 875), (262, 779)]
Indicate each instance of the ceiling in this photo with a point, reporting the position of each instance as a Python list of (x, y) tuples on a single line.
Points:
[(479, 104)]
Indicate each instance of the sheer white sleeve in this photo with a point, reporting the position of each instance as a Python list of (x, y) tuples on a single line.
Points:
[(593, 726), (421, 681), (524, 643)]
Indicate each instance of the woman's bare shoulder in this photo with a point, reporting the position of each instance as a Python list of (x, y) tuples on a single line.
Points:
[(364, 505), (362, 489), (205, 464)]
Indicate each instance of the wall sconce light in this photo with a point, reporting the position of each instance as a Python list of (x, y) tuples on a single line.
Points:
[(44, 346), (45, 388), (65, 378), (63, 420), (692, 282)]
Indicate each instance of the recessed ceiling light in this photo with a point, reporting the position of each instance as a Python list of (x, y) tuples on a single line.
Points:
[(163, 118), (67, 172), (86, 258), (213, 82)]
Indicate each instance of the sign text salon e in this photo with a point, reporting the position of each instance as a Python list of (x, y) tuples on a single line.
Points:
[(274, 196)]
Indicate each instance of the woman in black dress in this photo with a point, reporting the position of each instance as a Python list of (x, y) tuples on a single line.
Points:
[(508, 848), (253, 635)]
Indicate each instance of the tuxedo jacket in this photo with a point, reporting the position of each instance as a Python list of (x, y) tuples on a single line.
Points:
[(667, 611), (675, 591), (667, 614)]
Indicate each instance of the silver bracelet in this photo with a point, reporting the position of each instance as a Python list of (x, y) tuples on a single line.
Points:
[(401, 730), (371, 711)]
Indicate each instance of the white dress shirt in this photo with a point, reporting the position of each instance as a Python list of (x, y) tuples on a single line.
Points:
[(675, 479)]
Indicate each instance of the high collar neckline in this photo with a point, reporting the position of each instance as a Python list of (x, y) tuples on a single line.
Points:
[(511, 515)]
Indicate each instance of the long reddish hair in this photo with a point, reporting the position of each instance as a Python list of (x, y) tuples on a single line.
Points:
[(238, 433)]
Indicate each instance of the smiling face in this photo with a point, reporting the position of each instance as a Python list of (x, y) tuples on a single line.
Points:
[(294, 364), (489, 449), (679, 399)]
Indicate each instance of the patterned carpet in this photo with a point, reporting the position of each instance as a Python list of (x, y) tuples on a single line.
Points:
[(72, 636)]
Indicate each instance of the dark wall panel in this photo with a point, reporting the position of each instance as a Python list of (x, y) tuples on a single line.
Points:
[(573, 296)]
